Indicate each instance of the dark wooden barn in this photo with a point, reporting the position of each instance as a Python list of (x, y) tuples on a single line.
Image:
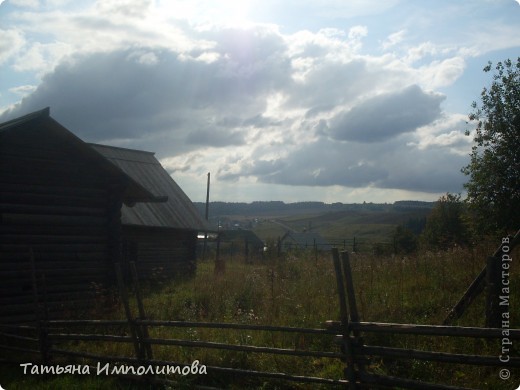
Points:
[(62, 204), (162, 236)]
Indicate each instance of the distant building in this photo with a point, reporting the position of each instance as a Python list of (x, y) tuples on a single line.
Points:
[(301, 241), (239, 238)]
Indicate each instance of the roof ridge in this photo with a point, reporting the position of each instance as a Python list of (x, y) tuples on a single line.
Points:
[(44, 113), (121, 148)]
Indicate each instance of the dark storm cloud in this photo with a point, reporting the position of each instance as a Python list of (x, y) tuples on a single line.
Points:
[(391, 164), (386, 116), (161, 100), (215, 138), (321, 163), (259, 168), (267, 112), (260, 121)]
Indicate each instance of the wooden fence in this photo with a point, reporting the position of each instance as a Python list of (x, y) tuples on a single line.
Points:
[(358, 353), (49, 341)]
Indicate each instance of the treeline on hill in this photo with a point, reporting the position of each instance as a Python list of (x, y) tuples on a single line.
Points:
[(280, 208)]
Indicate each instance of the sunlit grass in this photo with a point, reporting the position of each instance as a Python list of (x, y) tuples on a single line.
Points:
[(300, 290)]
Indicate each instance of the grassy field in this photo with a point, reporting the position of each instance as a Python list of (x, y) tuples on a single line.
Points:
[(300, 291), (369, 225)]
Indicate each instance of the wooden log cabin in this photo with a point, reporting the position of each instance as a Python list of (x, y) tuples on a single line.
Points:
[(62, 203), (162, 236)]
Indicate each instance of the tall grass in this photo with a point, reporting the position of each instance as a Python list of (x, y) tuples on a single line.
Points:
[(300, 290)]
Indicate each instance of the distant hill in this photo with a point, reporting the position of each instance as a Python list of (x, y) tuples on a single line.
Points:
[(374, 221), (279, 208)]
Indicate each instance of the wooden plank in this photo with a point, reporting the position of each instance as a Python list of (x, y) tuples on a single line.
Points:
[(24, 318), (19, 349), (78, 200), (351, 295), (67, 323), (70, 261), (244, 348), (194, 324), (262, 374), (453, 358), (70, 170), (54, 190), (52, 220), (51, 210), (53, 158), (89, 337), (78, 283), (430, 330), (74, 248), (20, 299), (46, 178), (477, 286), (131, 323), (344, 316), (54, 230), (17, 257), (142, 314), (31, 239)]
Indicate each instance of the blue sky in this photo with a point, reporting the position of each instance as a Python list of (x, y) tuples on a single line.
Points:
[(338, 101)]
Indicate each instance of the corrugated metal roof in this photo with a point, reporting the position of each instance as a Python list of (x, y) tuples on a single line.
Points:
[(177, 212)]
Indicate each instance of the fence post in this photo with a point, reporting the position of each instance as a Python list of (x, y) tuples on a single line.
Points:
[(351, 295), (493, 282), (131, 324), (220, 266), (246, 245), (346, 345), (41, 328), (315, 247), (352, 305), (142, 316)]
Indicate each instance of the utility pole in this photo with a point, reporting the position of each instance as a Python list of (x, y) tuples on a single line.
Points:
[(207, 217), (207, 198)]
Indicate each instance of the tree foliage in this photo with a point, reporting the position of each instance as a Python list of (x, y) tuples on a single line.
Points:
[(494, 169), (405, 240), (446, 225)]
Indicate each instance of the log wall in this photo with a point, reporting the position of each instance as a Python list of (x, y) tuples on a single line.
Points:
[(57, 205), (160, 252)]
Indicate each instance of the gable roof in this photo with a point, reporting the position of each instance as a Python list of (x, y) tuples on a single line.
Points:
[(175, 211), (21, 130)]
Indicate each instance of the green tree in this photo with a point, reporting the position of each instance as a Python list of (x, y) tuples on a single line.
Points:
[(446, 225), (494, 169), (404, 240)]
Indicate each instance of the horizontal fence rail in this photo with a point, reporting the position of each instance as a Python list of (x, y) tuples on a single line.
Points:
[(54, 338), (154, 362), (343, 340), (351, 330), (428, 330)]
